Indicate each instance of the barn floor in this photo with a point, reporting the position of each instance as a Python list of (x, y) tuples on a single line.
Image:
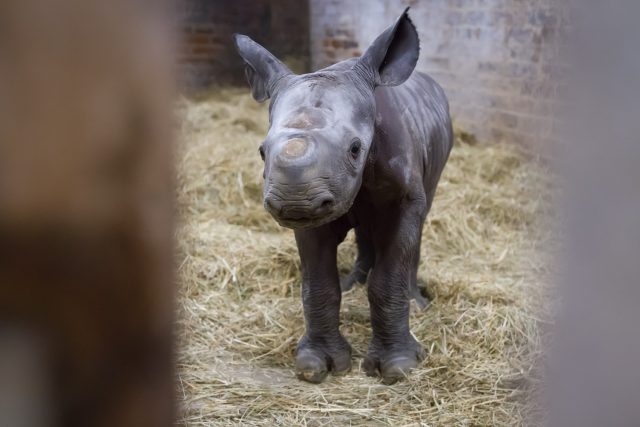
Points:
[(241, 314)]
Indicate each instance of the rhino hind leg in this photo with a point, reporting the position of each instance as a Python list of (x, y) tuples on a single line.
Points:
[(415, 291), (418, 295), (364, 262)]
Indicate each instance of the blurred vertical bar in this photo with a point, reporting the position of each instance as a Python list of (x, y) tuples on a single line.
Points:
[(595, 364), (86, 273)]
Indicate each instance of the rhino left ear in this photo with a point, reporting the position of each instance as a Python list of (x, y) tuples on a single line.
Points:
[(394, 54), (263, 70)]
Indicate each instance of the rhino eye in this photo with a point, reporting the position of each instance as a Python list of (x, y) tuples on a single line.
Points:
[(261, 151), (355, 148)]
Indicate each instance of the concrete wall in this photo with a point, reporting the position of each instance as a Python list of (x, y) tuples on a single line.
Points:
[(493, 57), (207, 55)]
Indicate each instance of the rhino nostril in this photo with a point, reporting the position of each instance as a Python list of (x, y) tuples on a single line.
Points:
[(272, 204), (326, 203)]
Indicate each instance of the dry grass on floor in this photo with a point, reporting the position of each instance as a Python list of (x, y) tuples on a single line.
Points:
[(240, 308)]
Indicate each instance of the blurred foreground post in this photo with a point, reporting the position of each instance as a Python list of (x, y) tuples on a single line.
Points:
[(595, 365), (86, 298)]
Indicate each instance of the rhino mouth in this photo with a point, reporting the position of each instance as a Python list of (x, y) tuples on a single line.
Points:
[(300, 222)]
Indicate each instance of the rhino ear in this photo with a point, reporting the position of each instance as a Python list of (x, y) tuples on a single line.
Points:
[(392, 57), (263, 70)]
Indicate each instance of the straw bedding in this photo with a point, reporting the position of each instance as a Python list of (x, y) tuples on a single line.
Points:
[(240, 313)]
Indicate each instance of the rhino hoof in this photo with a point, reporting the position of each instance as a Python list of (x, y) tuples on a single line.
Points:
[(313, 366), (393, 367), (310, 367), (356, 276), (422, 302), (346, 283), (397, 369)]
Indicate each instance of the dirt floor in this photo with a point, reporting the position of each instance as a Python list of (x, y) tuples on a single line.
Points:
[(239, 284)]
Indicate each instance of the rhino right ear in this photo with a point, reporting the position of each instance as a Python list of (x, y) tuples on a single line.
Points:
[(263, 70)]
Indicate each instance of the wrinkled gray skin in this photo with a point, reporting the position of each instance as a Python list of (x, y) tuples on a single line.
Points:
[(361, 145)]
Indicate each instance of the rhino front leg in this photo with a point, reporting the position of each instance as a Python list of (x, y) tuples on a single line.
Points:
[(393, 351), (364, 261), (322, 349)]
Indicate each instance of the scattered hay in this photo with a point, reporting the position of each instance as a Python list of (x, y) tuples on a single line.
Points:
[(241, 314)]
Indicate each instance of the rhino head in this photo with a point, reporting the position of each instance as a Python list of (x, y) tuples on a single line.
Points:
[(322, 124)]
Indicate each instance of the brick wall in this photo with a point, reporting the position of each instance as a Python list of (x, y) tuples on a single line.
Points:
[(493, 57), (207, 55)]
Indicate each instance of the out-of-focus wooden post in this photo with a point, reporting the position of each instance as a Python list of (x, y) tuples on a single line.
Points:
[(86, 287)]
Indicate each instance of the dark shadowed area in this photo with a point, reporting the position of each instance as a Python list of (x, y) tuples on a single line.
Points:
[(207, 55)]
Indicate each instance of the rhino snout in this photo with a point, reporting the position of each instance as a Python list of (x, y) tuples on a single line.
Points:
[(300, 212), (318, 206)]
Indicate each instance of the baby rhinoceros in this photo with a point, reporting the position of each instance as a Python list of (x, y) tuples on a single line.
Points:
[(360, 144)]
